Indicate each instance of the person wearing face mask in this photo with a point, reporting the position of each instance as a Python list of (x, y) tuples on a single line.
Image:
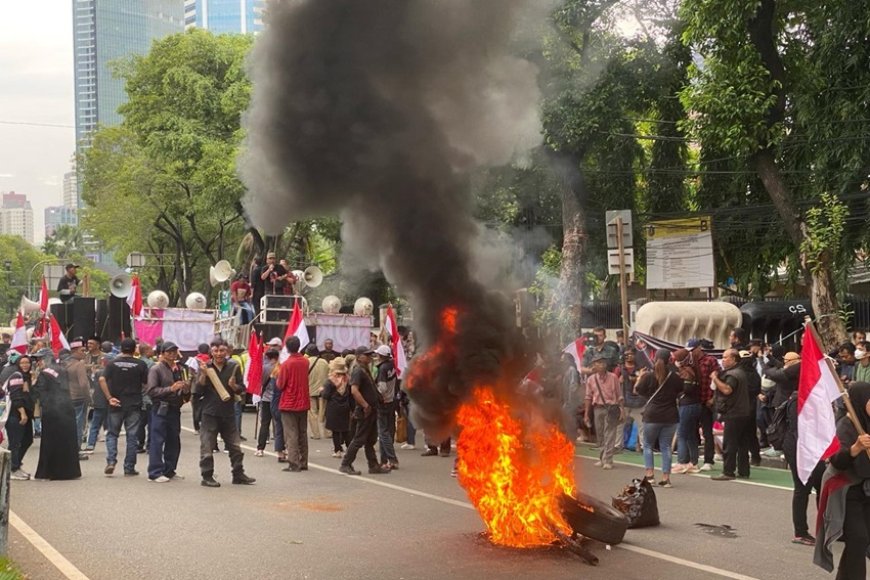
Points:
[(19, 426), (862, 363)]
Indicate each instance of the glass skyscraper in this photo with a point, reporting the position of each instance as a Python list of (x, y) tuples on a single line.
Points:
[(225, 16)]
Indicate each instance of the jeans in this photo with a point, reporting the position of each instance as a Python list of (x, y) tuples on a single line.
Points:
[(664, 434), (196, 408), (707, 429), (130, 418), (637, 415), (801, 495), (165, 445), (144, 437), (606, 430), (315, 416), (20, 439), (736, 441), (210, 427), (687, 434), (411, 430), (238, 408), (278, 425), (856, 535), (387, 432), (365, 436), (295, 438), (81, 409), (98, 421)]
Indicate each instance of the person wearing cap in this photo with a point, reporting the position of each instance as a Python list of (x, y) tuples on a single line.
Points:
[(732, 395), (294, 404), (705, 365), (603, 406), (219, 416), (386, 381), (318, 372), (365, 394), (690, 414), (166, 387), (59, 447), (336, 395), (79, 384), (122, 384), (749, 359), (68, 283)]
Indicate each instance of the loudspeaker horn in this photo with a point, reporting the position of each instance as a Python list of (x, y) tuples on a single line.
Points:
[(220, 272), (195, 301), (120, 285), (27, 306), (313, 276), (158, 299)]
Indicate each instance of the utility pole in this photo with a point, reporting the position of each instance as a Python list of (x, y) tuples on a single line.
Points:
[(623, 287), (620, 257)]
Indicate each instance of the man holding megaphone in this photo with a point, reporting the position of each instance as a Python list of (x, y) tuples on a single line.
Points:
[(69, 282)]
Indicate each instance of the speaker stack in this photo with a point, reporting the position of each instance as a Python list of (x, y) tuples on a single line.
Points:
[(113, 319), (76, 317)]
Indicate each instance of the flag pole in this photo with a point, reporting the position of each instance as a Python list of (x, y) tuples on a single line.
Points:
[(848, 402)]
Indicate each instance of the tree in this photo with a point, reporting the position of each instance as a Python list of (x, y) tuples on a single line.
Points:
[(65, 242)]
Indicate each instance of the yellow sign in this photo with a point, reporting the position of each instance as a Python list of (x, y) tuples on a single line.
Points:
[(678, 227)]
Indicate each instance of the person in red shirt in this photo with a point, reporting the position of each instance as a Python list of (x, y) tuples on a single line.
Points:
[(240, 294), (294, 404), (705, 365)]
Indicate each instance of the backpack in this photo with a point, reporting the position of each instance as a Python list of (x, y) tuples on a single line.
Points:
[(778, 427)]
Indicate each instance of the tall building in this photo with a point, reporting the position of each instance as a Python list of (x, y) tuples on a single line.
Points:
[(105, 32), (71, 197), (16, 216), (225, 16), (59, 215)]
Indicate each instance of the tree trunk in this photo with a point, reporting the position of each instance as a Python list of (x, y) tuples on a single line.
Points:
[(826, 307)]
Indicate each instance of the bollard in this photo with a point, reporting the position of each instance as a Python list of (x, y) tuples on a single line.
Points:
[(5, 472)]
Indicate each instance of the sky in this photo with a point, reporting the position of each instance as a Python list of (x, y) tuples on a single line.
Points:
[(36, 86)]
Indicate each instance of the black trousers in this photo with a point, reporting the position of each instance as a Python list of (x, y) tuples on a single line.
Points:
[(208, 432), (707, 416), (265, 424), (20, 438), (736, 442), (856, 535), (340, 438), (800, 497), (365, 436), (754, 445)]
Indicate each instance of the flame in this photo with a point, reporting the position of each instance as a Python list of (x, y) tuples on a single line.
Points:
[(514, 471)]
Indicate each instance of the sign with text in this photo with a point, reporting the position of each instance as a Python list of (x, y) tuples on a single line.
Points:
[(679, 254)]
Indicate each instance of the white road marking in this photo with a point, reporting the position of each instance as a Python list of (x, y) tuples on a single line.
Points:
[(463, 504), (66, 567)]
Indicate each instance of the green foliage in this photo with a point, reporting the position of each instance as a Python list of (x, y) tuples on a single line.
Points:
[(21, 258), (825, 224)]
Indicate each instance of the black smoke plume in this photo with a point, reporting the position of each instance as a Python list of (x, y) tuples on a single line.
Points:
[(378, 110)]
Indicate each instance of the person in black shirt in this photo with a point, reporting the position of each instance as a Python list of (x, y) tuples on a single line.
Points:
[(69, 283), (362, 388), (19, 426), (273, 275), (732, 397), (386, 384), (122, 383), (59, 448), (219, 416)]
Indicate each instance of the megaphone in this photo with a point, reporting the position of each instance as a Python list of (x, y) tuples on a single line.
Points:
[(313, 276), (120, 285), (27, 306), (300, 280), (195, 301), (220, 272), (158, 299)]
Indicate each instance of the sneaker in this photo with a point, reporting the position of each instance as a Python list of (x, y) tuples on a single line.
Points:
[(131, 473), (706, 467), (771, 453), (693, 469), (21, 470), (110, 469), (717, 457), (349, 470), (680, 468), (665, 483), (607, 466), (292, 469), (176, 477), (88, 450), (83, 457), (18, 475), (337, 454), (258, 453), (598, 464), (207, 482), (408, 446), (161, 479), (141, 450), (807, 540), (243, 479), (755, 462), (723, 477), (378, 470), (429, 453), (394, 465), (242, 438)]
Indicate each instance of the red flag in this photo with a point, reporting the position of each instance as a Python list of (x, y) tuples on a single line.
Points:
[(43, 297), (19, 337), (58, 340), (254, 372), (392, 329), (817, 425), (296, 327), (134, 298), (576, 350)]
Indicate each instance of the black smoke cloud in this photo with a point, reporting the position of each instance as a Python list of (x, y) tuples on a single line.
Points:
[(378, 110)]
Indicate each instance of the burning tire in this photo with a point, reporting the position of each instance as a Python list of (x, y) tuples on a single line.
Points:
[(594, 519)]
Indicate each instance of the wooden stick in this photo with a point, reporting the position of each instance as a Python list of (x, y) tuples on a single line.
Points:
[(217, 384)]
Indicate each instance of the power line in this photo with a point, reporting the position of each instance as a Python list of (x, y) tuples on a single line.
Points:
[(33, 124)]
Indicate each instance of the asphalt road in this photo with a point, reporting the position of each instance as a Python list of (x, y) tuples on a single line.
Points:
[(412, 524)]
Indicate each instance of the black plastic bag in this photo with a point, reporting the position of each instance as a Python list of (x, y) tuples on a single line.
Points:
[(638, 502)]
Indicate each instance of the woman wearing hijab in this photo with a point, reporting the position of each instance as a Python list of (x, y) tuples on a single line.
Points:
[(846, 494), (19, 426), (59, 448), (663, 386)]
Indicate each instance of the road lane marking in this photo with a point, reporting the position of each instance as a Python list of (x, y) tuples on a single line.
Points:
[(66, 567), (458, 503)]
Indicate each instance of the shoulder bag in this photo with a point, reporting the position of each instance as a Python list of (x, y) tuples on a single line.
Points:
[(613, 411)]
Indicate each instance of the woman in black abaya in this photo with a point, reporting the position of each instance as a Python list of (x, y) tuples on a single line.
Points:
[(59, 448)]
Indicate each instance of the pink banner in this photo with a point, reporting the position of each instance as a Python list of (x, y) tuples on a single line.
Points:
[(150, 330)]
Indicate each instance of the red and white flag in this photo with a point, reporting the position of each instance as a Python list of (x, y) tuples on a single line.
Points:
[(817, 425), (19, 337), (576, 350), (58, 340), (296, 327), (43, 297), (254, 371), (392, 329), (134, 298)]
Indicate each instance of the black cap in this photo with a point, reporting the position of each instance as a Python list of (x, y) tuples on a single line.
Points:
[(128, 345), (363, 350), (71, 265), (43, 353), (167, 346), (106, 346)]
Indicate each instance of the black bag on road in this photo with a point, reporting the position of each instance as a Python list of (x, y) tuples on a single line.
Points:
[(638, 502)]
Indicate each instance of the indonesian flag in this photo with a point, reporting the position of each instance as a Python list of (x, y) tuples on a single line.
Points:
[(817, 390), (576, 350), (58, 340), (19, 337), (296, 327), (134, 298), (254, 371), (392, 330)]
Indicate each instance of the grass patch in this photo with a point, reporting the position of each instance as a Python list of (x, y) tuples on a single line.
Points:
[(8, 571)]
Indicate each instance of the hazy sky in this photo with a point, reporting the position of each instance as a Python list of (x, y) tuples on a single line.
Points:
[(36, 86)]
